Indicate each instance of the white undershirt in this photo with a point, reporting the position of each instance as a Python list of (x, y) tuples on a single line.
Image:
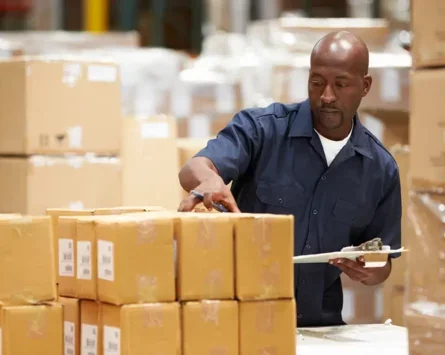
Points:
[(332, 148)]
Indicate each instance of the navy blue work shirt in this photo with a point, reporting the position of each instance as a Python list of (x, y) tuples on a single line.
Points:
[(276, 163)]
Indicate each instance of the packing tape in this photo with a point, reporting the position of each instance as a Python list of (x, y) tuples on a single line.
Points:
[(210, 312), (153, 315), (146, 230), (265, 320), (269, 280), (147, 288), (206, 238), (262, 236), (213, 283), (219, 350)]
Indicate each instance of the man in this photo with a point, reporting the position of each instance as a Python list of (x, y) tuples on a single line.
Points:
[(316, 161)]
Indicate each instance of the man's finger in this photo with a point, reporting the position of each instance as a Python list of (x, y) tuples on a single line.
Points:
[(351, 268), (188, 204), (353, 274), (208, 201)]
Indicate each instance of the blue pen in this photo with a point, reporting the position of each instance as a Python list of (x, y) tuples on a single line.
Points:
[(217, 206)]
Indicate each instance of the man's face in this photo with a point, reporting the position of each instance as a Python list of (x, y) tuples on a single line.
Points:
[(335, 92)]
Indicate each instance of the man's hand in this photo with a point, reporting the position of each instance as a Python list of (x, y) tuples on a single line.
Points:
[(214, 190), (357, 272)]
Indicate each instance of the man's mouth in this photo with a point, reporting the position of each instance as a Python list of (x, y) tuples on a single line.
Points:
[(328, 111)]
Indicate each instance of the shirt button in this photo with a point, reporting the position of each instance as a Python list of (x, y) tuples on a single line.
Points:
[(308, 246), (303, 281), (299, 316), (280, 200), (315, 212), (323, 177)]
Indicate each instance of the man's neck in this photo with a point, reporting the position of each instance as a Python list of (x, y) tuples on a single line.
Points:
[(337, 134)]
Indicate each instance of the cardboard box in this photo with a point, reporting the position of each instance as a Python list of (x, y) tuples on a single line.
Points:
[(27, 249), (86, 268), (264, 246), (146, 240), (268, 327), (426, 328), (31, 185), (91, 330), (67, 252), (427, 136), (150, 162), (71, 325), (394, 304), (428, 28), (210, 327), (205, 257), (31, 330), (141, 329), (59, 106), (201, 126)]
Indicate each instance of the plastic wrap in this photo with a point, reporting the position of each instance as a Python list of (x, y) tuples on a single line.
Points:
[(425, 312)]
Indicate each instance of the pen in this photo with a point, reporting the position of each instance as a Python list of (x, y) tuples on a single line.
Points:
[(217, 206)]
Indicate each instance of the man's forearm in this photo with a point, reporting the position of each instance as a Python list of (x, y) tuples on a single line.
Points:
[(195, 172), (380, 276)]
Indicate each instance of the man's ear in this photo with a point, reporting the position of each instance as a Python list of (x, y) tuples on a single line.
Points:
[(367, 81)]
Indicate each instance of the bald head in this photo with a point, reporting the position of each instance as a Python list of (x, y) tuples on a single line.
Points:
[(342, 48), (338, 80)]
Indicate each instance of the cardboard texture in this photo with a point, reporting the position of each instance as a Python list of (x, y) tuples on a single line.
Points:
[(141, 329), (59, 106), (26, 245), (428, 27), (264, 246), (71, 325), (426, 328), (31, 330), (31, 185), (268, 327), (210, 327), (427, 159), (205, 257), (91, 341), (155, 181), (135, 259), (67, 253), (86, 261)]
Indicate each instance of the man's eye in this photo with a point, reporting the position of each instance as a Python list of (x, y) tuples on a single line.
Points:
[(342, 85), (316, 82)]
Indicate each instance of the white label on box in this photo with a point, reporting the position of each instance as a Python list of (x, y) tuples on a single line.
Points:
[(69, 336), (105, 258), (155, 130), (76, 205), (102, 73), (199, 126), (89, 339), (75, 137), (298, 84), (348, 305), (84, 260), (390, 85), (112, 340), (66, 257), (225, 98), (71, 74)]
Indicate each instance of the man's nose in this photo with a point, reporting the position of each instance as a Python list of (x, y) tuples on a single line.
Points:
[(328, 95)]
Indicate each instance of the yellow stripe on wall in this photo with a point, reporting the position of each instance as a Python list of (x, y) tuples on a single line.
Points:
[(96, 15)]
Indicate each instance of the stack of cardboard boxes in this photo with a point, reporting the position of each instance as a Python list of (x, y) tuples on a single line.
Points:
[(425, 311), (60, 125)]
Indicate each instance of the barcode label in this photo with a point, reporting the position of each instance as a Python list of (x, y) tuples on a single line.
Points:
[(105, 257), (112, 340), (66, 258), (89, 339), (69, 333), (84, 260)]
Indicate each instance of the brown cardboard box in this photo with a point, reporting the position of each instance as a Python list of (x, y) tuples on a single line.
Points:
[(32, 330), (150, 162), (210, 327), (428, 27), (141, 329), (264, 246), (426, 328), (427, 136), (31, 185), (200, 126), (71, 325), (205, 253), (394, 304), (135, 258), (67, 230), (86, 247), (268, 327), (55, 106), (91, 329), (27, 250)]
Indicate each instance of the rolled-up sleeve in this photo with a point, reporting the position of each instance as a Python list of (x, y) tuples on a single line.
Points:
[(235, 146), (387, 221)]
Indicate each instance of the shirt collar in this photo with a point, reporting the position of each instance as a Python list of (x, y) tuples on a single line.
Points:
[(302, 126)]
